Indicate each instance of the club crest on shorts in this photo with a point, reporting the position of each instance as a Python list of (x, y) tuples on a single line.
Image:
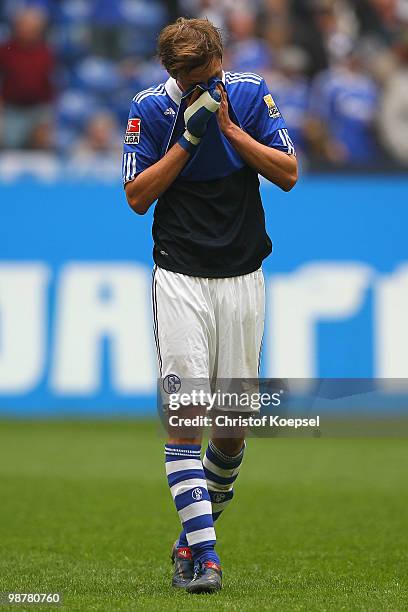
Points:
[(171, 383), (197, 494), (273, 110), (132, 135)]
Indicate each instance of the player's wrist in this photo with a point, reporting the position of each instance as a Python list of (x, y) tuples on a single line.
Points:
[(189, 142)]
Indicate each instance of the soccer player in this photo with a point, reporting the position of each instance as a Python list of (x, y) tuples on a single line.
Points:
[(197, 143)]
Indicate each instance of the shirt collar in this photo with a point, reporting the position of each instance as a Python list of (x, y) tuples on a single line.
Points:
[(174, 91)]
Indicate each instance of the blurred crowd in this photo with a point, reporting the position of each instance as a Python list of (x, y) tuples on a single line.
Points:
[(337, 69)]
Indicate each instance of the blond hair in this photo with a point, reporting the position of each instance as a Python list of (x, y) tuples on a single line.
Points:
[(188, 44)]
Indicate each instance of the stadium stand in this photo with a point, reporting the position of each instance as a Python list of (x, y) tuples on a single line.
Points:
[(335, 69)]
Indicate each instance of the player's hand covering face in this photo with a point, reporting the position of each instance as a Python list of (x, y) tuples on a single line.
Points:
[(198, 114), (224, 120)]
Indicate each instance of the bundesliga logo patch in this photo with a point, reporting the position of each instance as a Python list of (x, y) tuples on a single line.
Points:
[(132, 135), (273, 110)]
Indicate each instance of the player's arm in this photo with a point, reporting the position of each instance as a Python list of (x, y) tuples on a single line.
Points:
[(143, 190), (277, 166), (147, 186)]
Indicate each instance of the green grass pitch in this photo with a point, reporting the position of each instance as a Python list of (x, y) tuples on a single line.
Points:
[(316, 524)]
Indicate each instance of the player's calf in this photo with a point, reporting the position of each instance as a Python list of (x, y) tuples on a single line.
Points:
[(188, 487)]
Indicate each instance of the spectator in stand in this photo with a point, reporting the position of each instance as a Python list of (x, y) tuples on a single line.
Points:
[(101, 136), (343, 110), (393, 116), (275, 26), (291, 91), (107, 20), (26, 73), (214, 10), (307, 35), (247, 52)]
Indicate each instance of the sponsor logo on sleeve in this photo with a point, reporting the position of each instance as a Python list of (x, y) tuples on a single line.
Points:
[(273, 110), (132, 135)]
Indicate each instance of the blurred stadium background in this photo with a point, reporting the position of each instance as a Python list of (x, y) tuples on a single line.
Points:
[(75, 262), (84, 507), (338, 70)]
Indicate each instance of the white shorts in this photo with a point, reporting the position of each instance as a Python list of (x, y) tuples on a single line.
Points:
[(208, 328)]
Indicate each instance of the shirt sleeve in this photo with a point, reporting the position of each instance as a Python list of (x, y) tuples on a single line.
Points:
[(140, 149), (266, 123)]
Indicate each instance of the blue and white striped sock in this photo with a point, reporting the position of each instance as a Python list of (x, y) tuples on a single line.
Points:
[(220, 471), (188, 487)]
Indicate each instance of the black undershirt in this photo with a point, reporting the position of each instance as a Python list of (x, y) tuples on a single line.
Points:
[(211, 229)]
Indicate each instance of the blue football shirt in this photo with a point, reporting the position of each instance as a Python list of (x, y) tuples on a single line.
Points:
[(210, 222)]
